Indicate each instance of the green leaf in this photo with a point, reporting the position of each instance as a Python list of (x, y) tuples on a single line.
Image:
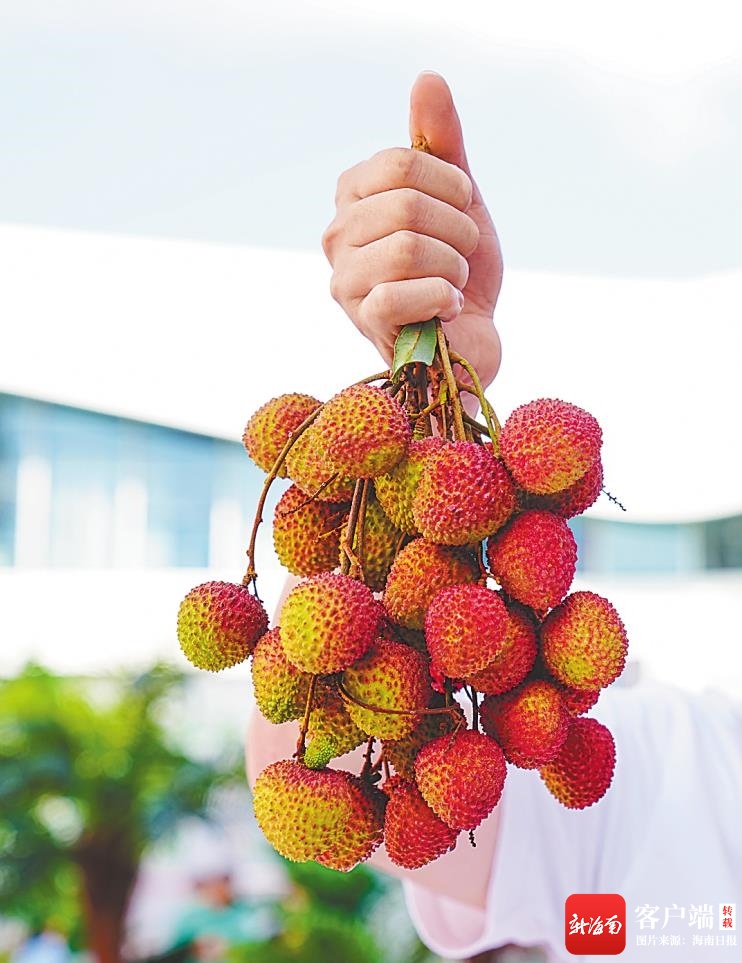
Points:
[(415, 342)]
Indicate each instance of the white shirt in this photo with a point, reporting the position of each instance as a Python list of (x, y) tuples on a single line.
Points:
[(667, 834)]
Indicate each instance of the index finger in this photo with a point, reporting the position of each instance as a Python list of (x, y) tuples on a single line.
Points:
[(400, 167)]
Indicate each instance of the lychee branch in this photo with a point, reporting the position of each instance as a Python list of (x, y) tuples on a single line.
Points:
[(349, 697), (251, 574), (351, 564), (453, 391), (301, 744), (493, 425)]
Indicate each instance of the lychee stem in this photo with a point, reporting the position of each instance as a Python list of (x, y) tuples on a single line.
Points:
[(493, 425), (472, 693), (350, 563), (348, 697), (251, 574), (301, 744), (453, 391), (367, 757)]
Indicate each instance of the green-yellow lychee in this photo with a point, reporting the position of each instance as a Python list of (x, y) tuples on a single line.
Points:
[(280, 688), (327, 622), (331, 731), (307, 467), (306, 532), (385, 689), (272, 425), (363, 432), (583, 641), (219, 624), (396, 490)]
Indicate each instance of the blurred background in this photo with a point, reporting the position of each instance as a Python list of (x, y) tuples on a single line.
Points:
[(166, 174)]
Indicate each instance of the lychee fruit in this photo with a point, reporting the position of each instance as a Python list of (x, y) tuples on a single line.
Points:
[(530, 723), (419, 572), (548, 444), (219, 624), (401, 753), (581, 772), (570, 501), (413, 834), (391, 676), (516, 658), (465, 628), (376, 546), (464, 494), (583, 641), (306, 532), (308, 469), (281, 690), (331, 731), (327, 622), (363, 432), (306, 814), (364, 827), (461, 777), (396, 490), (272, 425), (534, 558)]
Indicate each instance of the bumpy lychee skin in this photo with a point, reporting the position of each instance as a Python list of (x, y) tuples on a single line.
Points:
[(516, 658), (548, 444), (530, 723), (461, 777), (577, 701), (419, 572), (570, 501), (581, 772), (306, 532), (219, 624), (465, 629), (280, 688), (363, 432), (583, 641), (401, 753), (364, 827), (307, 467), (396, 490), (331, 732), (379, 545), (307, 814), (272, 425), (393, 676), (327, 622), (413, 834), (534, 558), (464, 495)]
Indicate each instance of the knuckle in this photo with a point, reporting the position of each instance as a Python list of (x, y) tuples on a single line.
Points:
[(400, 164), (329, 239), (338, 288), (384, 301), (413, 208), (408, 249)]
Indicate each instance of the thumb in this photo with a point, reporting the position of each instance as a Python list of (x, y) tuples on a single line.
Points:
[(433, 120)]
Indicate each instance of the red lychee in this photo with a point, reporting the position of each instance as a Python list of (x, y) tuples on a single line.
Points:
[(413, 834), (581, 772), (570, 501), (461, 777), (464, 494), (419, 572), (548, 444), (280, 688), (530, 723), (534, 558), (516, 658), (465, 629)]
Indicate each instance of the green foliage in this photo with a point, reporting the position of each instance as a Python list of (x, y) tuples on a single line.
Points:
[(85, 768), (415, 342), (351, 892)]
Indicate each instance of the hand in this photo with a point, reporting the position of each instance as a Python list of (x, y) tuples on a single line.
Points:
[(412, 238)]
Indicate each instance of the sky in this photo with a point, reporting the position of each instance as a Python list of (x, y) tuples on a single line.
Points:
[(606, 139)]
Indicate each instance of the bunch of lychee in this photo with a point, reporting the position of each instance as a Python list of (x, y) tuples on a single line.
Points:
[(433, 624)]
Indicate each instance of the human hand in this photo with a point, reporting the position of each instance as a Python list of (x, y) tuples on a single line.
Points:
[(412, 238)]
